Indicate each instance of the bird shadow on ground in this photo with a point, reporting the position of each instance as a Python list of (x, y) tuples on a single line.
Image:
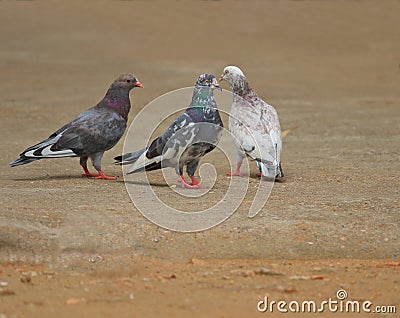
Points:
[(257, 177), (141, 183), (48, 177)]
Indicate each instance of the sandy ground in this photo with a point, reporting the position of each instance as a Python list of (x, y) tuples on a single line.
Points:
[(78, 247)]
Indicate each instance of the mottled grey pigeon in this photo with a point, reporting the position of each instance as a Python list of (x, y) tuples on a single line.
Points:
[(93, 132), (193, 134), (255, 126)]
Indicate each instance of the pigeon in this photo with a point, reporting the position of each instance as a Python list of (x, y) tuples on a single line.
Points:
[(255, 126), (193, 134), (89, 135)]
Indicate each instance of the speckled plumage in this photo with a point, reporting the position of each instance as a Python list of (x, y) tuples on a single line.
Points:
[(184, 142), (93, 132), (254, 124)]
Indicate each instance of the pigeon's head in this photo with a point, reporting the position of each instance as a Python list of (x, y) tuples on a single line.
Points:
[(207, 80), (126, 81), (230, 73)]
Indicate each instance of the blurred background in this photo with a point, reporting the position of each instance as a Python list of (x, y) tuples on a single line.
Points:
[(288, 49)]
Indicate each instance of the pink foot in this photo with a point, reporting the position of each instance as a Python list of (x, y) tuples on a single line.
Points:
[(259, 175), (235, 173), (194, 185), (104, 177), (87, 173)]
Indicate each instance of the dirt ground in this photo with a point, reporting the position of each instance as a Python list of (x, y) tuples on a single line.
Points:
[(71, 246)]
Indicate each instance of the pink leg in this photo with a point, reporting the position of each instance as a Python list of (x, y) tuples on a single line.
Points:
[(194, 185), (237, 171), (103, 176), (195, 182), (87, 172)]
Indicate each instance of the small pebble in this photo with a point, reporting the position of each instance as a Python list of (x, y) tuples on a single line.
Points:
[(266, 271), (196, 261), (172, 276), (286, 289), (95, 259), (317, 277), (26, 279), (299, 277), (73, 301), (248, 273)]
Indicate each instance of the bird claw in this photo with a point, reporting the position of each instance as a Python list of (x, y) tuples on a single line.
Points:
[(197, 186), (104, 177), (192, 186)]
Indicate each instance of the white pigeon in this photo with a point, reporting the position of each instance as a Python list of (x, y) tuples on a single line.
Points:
[(254, 125)]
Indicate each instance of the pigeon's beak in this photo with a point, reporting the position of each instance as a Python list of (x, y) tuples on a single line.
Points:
[(138, 84), (216, 85), (220, 79)]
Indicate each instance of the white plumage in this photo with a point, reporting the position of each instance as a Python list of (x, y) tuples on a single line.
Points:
[(254, 125)]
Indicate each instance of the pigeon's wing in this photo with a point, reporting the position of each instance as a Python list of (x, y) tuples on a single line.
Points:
[(168, 147), (250, 129), (97, 133), (158, 146), (92, 131), (271, 125)]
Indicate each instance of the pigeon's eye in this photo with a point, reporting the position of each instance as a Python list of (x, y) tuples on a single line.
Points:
[(226, 72), (128, 81), (207, 81)]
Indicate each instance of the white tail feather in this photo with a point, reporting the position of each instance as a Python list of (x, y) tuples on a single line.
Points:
[(142, 162), (48, 153), (267, 171)]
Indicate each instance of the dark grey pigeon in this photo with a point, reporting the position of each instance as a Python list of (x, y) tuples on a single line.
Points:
[(93, 132), (193, 134)]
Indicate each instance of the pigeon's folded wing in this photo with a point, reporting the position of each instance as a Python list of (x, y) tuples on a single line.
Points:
[(168, 146), (160, 145), (97, 133)]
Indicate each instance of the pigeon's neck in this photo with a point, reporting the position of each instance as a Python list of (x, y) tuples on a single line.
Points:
[(118, 100), (203, 106), (203, 97), (241, 87)]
